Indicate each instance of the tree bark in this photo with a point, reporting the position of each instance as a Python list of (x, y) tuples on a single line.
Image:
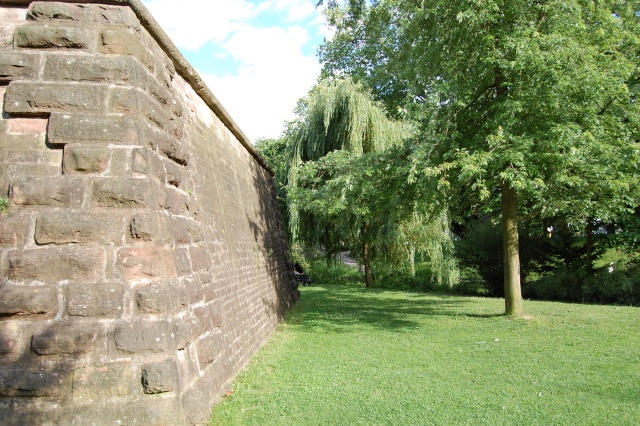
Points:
[(511, 252), (588, 261), (368, 276)]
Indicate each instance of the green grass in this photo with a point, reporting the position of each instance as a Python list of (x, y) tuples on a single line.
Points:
[(350, 356)]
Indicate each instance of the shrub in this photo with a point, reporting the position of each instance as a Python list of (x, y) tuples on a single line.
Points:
[(4, 204)]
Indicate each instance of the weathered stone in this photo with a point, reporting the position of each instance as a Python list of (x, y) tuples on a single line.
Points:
[(168, 146), (204, 392), (92, 129), (58, 11), (68, 338), (79, 228), (119, 162), (155, 411), (111, 70), (139, 162), (22, 300), (200, 258), (183, 263), (36, 36), (15, 66), (209, 349), (51, 192), (14, 231), (9, 340), (26, 97), (97, 381), (125, 41), (31, 382), (125, 101), (175, 174), (150, 227), (146, 262), (27, 126), (83, 160), (160, 377), (156, 298), (175, 202), (57, 264), (182, 230), (102, 299), (181, 333), (129, 193), (144, 337)]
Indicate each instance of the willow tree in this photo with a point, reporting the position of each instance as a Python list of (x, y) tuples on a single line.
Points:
[(330, 203), (523, 103)]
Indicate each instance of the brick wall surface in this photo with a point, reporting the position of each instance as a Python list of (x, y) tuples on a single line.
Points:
[(142, 258)]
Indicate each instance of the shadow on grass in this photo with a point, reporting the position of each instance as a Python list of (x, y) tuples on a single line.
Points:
[(338, 308)]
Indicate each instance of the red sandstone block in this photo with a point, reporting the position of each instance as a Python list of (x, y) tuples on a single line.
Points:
[(85, 160), (128, 193), (156, 298), (88, 300), (175, 202), (144, 337), (29, 98), (14, 231), (71, 338), (126, 41), (52, 192), (160, 377), (35, 381), (94, 382), (150, 227), (146, 262), (209, 349), (39, 36), (93, 129), (79, 228), (21, 300), (168, 146), (57, 264), (76, 68), (18, 65), (27, 126), (97, 13), (200, 258)]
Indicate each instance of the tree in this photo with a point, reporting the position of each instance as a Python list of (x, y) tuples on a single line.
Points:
[(331, 198), (525, 106)]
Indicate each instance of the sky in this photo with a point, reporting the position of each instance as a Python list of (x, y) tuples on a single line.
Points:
[(257, 57)]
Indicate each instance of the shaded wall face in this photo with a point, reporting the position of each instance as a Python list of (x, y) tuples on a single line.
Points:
[(143, 260)]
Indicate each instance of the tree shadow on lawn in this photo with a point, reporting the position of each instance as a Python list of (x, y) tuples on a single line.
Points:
[(339, 309)]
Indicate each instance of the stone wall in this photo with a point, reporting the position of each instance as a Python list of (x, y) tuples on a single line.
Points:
[(142, 258)]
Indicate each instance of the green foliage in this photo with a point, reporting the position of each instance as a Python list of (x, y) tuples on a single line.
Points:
[(350, 356), (535, 97), (4, 204)]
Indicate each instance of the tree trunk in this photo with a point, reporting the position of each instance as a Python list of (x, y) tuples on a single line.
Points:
[(511, 252), (589, 247), (368, 276), (412, 260)]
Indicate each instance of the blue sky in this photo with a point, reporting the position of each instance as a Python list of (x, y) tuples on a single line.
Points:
[(257, 57)]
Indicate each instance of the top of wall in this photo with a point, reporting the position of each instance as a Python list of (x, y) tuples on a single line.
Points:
[(183, 67)]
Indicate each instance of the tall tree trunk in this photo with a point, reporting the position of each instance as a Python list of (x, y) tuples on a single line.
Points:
[(368, 276), (511, 252), (589, 247), (412, 260)]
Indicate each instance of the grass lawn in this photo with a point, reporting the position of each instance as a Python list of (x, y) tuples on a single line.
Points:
[(350, 356)]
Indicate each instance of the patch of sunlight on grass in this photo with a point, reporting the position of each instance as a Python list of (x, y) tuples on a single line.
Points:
[(351, 356)]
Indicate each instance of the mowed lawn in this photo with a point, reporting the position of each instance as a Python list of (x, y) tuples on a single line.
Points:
[(350, 356)]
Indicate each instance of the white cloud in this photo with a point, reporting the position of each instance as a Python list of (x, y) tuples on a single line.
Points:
[(192, 23), (274, 74), (272, 70)]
